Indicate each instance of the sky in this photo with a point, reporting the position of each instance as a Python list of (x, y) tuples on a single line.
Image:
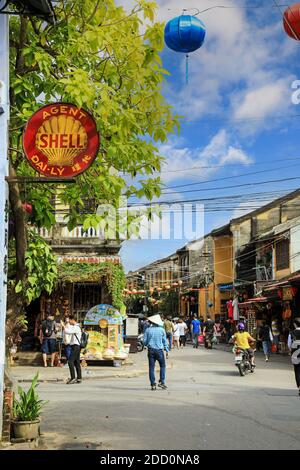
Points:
[(240, 130)]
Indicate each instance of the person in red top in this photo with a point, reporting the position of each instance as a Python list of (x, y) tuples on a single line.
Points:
[(230, 308)]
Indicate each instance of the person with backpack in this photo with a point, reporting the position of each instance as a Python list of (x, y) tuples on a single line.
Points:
[(48, 339), (76, 342)]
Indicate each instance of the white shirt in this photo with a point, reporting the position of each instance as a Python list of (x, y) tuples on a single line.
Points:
[(182, 327), (75, 332), (176, 330)]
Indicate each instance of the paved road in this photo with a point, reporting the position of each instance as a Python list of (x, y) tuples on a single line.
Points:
[(207, 406)]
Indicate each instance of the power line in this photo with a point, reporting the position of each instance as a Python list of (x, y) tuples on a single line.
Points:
[(227, 164), (230, 177), (235, 186)]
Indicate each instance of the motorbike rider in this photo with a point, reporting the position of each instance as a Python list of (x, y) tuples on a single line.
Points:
[(242, 338), (209, 329)]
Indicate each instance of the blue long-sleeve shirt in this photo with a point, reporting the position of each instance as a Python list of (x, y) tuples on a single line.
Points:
[(155, 337)]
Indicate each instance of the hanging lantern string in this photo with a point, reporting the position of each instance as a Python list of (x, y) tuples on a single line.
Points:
[(230, 8)]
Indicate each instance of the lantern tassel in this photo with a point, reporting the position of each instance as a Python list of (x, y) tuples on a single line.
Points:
[(187, 69)]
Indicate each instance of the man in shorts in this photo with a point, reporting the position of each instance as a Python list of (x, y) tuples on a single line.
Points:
[(49, 339)]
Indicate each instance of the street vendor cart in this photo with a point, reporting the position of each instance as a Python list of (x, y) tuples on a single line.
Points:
[(104, 324)]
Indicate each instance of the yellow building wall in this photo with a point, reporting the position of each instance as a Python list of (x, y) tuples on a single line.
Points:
[(223, 260), (223, 268)]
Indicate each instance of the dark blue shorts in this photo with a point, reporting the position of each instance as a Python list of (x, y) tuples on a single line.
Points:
[(49, 346)]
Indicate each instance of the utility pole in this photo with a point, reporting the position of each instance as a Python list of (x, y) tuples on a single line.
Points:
[(4, 118)]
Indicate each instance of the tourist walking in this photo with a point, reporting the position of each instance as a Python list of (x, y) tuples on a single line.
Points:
[(66, 339), (275, 332), (228, 330), (155, 340), (73, 329), (294, 345), (195, 331), (176, 334), (182, 332), (48, 339), (266, 337), (169, 327)]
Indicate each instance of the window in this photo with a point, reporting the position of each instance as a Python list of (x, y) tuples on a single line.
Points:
[(283, 254)]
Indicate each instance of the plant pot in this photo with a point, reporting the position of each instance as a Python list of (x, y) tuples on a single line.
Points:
[(26, 429)]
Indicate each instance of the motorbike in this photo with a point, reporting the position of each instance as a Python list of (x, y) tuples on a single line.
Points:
[(140, 343), (242, 361), (209, 340)]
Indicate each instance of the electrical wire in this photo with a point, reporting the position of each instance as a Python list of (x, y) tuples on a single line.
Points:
[(231, 177)]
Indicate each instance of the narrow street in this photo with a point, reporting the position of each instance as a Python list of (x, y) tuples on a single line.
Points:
[(207, 406)]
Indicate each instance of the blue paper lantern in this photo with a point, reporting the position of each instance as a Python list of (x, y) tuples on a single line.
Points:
[(185, 34)]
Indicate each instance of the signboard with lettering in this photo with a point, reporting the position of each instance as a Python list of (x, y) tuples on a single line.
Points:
[(61, 140)]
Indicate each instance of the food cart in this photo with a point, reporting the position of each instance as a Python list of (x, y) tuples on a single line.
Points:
[(104, 323)]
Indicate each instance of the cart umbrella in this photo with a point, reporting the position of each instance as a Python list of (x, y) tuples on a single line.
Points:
[(103, 312)]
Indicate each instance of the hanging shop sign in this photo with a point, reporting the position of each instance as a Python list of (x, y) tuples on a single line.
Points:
[(61, 140), (288, 293)]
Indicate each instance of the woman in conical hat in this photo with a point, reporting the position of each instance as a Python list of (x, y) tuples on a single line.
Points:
[(156, 319), (155, 340)]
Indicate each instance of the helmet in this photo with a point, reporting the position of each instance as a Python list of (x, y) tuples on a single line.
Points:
[(241, 326)]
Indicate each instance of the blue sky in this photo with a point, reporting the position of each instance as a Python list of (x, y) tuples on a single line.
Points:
[(239, 115)]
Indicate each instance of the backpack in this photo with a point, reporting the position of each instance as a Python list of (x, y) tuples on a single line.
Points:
[(83, 340), (47, 328)]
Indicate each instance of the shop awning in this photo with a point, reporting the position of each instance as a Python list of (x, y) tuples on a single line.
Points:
[(255, 300), (284, 282)]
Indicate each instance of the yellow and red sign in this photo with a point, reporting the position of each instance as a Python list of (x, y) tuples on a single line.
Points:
[(61, 140)]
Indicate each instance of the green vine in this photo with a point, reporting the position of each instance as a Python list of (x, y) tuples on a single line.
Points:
[(95, 272)]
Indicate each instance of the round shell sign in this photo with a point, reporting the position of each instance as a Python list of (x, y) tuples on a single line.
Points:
[(61, 140)]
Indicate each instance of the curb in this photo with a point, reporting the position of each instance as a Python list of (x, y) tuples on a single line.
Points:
[(125, 375)]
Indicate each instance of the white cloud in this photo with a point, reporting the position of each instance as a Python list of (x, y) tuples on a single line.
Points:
[(220, 151)]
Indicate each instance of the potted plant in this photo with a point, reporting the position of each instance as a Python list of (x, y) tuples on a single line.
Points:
[(26, 412)]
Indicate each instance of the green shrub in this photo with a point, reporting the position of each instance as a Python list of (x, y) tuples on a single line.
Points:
[(29, 406)]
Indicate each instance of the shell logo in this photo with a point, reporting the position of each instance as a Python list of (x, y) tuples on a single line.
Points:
[(61, 140)]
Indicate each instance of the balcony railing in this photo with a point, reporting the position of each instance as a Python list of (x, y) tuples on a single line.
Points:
[(62, 232)]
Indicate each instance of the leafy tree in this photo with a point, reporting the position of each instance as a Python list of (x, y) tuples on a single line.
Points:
[(105, 60)]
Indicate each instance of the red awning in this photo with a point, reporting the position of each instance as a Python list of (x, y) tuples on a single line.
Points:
[(255, 300)]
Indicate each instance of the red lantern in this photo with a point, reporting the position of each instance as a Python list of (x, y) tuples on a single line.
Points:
[(291, 21), (27, 208)]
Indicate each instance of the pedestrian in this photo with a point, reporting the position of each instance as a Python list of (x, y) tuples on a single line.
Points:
[(294, 346), (169, 327), (182, 332), (228, 330), (275, 332), (195, 331), (74, 330), (49, 339), (265, 336), (145, 325), (66, 339), (176, 334), (155, 340), (188, 322)]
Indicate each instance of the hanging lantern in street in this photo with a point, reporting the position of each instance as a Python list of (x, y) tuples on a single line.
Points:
[(291, 21), (185, 34), (180, 283)]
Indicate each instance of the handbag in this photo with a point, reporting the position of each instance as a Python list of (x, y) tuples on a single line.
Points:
[(274, 348)]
